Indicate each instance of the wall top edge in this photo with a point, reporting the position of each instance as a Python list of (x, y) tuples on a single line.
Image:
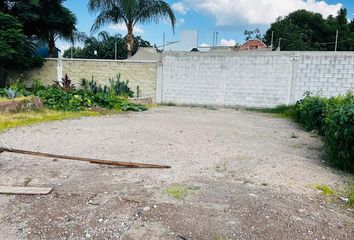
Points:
[(103, 60), (262, 53)]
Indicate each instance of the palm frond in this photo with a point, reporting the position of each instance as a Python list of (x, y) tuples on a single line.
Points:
[(154, 10)]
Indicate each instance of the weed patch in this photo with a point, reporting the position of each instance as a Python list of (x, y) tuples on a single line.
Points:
[(179, 192), (11, 120), (326, 190), (281, 111)]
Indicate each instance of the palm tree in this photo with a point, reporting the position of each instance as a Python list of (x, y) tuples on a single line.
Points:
[(130, 12)]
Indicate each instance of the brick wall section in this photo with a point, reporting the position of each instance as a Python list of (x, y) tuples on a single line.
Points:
[(142, 74), (253, 79)]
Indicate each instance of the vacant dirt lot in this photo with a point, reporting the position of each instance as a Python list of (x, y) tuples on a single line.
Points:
[(240, 175)]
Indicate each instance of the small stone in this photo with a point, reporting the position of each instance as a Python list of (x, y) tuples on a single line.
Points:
[(344, 199), (100, 220), (88, 235), (145, 209)]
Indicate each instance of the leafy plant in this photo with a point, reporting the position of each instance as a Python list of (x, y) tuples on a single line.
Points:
[(121, 88), (339, 132), (11, 93), (310, 112), (65, 83)]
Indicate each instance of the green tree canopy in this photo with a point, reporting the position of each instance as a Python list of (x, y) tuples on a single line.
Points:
[(130, 12), (104, 44), (45, 20), (307, 31), (16, 51)]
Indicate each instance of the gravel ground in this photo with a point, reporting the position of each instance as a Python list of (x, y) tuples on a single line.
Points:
[(246, 175)]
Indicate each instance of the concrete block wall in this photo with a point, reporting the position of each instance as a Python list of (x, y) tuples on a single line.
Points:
[(47, 73), (325, 73), (142, 74), (252, 79)]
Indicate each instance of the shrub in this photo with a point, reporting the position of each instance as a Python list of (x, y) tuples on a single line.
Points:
[(339, 131), (310, 112), (91, 95), (65, 84), (116, 87), (121, 88)]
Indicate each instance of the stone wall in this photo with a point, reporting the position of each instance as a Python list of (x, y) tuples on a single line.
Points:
[(252, 78)]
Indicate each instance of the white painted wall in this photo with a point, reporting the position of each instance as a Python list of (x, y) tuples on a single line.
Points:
[(252, 79)]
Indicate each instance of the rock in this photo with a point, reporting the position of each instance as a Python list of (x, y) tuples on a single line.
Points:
[(146, 209)]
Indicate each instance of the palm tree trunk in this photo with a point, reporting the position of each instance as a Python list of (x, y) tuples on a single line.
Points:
[(51, 46), (130, 40), (3, 77)]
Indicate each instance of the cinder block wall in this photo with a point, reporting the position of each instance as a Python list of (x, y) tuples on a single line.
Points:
[(47, 73), (252, 79), (142, 74), (327, 73)]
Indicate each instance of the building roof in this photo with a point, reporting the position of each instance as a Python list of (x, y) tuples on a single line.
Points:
[(146, 54), (253, 45)]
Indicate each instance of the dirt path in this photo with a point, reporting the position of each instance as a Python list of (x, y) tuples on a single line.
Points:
[(243, 175)]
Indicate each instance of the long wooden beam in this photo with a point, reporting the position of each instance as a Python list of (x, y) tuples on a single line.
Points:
[(90, 160)]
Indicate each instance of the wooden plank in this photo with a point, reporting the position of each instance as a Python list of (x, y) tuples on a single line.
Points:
[(24, 190), (95, 161)]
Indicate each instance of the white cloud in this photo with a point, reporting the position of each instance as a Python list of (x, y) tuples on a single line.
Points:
[(181, 21), (179, 7), (120, 27), (241, 12), (229, 43)]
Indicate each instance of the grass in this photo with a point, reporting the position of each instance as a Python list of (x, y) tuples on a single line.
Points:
[(2, 99), (351, 196), (281, 111), (179, 192), (12, 120), (326, 190)]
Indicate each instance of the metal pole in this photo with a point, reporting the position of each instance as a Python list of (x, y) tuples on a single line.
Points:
[(216, 38), (197, 38), (115, 50), (279, 49), (164, 41), (71, 51), (335, 49), (271, 44)]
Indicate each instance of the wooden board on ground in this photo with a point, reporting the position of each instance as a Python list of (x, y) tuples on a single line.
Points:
[(24, 190)]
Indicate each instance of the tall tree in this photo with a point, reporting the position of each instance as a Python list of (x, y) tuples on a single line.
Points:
[(104, 45), (56, 22), (45, 20), (130, 12), (16, 51), (307, 31)]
